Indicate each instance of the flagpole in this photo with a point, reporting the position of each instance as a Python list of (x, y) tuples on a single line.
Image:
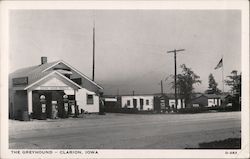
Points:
[(222, 74), (93, 66)]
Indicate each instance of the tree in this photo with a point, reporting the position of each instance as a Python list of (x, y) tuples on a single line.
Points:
[(234, 82), (185, 83), (212, 85)]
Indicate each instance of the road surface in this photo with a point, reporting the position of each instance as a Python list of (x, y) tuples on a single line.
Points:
[(126, 131)]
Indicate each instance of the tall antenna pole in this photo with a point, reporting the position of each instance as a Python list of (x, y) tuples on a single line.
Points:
[(161, 88), (222, 70), (175, 72), (93, 73)]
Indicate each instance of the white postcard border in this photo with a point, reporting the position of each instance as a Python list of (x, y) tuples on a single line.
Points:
[(107, 153)]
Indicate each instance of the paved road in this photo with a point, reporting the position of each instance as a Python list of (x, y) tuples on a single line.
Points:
[(122, 131)]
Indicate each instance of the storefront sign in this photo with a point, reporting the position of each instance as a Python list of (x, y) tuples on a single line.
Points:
[(20, 81), (54, 102), (53, 88), (162, 103)]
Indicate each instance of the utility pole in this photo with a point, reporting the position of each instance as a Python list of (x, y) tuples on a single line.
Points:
[(175, 72), (93, 73), (161, 88)]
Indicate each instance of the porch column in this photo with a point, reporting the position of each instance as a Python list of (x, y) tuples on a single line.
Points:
[(75, 96), (29, 95)]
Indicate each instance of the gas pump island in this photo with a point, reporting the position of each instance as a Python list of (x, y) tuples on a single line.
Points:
[(55, 108)]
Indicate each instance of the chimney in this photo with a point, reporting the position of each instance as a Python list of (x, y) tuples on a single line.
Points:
[(43, 60)]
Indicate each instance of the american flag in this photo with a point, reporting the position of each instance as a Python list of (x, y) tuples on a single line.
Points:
[(220, 64)]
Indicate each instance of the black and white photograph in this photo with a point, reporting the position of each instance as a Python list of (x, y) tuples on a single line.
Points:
[(136, 80)]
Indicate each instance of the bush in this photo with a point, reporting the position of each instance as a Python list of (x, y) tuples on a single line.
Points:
[(146, 112), (230, 143), (205, 109), (193, 110), (112, 110), (223, 108), (129, 110)]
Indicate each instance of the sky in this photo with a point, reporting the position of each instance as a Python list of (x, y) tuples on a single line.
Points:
[(131, 45)]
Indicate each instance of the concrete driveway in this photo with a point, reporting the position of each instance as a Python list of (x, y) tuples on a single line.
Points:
[(126, 131)]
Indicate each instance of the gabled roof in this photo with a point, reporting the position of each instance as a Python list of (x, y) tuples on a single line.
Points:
[(61, 61), (225, 96), (51, 73), (210, 96), (199, 96), (35, 73)]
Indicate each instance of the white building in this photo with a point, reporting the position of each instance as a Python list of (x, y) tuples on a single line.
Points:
[(213, 100), (52, 80), (171, 103), (141, 102)]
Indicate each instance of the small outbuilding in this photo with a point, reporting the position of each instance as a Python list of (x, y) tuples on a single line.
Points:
[(206, 100), (141, 102)]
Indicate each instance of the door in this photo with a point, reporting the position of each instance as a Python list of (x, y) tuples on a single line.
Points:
[(135, 103), (36, 104), (141, 104)]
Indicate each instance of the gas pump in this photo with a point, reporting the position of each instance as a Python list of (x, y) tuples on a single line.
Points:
[(72, 108), (66, 106), (54, 110), (43, 108)]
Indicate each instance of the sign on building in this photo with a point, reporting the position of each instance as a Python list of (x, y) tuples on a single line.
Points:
[(162, 103), (20, 81)]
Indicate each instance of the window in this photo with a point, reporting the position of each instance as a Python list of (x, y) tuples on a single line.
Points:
[(67, 75), (147, 102), (90, 99), (128, 102), (77, 80)]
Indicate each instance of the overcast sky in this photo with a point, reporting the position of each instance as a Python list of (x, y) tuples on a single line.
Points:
[(131, 45)]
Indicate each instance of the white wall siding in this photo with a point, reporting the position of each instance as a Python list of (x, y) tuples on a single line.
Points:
[(214, 102), (81, 99), (150, 105), (172, 102)]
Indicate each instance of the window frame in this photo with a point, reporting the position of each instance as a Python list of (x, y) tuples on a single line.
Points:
[(88, 100), (128, 103)]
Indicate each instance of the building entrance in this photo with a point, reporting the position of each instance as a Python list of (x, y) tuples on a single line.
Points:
[(54, 104)]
